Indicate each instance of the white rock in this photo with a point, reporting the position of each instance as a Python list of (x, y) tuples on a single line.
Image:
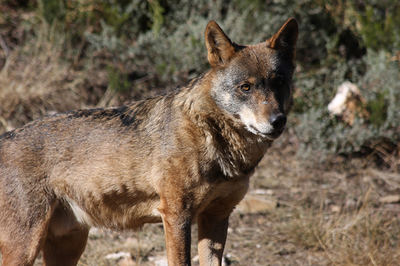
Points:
[(118, 255), (344, 91)]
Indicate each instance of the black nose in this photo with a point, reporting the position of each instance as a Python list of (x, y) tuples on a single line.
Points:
[(278, 121)]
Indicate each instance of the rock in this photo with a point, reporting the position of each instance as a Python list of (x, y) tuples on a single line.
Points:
[(95, 233), (118, 255), (159, 261), (348, 103), (229, 259), (390, 199), (195, 258), (256, 204), (262, 192), (335, 208)]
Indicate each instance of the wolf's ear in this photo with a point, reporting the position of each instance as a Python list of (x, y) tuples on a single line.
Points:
[(286, 37), (219, 47)]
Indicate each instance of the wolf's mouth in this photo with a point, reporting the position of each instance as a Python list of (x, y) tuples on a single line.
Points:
[(271, 136), (276, 133)]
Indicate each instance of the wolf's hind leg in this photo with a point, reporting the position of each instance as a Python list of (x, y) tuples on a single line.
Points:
[(66, 239), (65, 249)]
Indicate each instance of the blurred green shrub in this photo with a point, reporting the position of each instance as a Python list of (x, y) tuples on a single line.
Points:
[(118, 81), (324, 136), (379, 24)]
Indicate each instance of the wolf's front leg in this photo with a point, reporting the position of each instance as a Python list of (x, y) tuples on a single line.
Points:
[(177, 223), (212, 236), (213, 224)]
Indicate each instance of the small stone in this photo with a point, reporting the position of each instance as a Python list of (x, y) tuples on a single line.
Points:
[(118, 255), (195, 258), (95, 233), (335, 208), (159, 261), (256, 204), (390, 199)]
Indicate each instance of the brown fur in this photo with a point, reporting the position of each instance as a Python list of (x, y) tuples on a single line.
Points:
[(182, 158)]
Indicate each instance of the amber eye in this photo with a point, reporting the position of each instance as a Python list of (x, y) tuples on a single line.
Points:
[(245, 87)]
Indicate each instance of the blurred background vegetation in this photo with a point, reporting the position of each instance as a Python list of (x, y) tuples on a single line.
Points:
[(58, 55)]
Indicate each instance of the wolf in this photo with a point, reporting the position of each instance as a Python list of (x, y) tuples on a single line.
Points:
[(180, 159)]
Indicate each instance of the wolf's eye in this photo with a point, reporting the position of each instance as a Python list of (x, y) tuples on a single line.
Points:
[(245, 87)]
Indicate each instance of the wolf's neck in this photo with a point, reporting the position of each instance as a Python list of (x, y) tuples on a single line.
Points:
[(236, 150)]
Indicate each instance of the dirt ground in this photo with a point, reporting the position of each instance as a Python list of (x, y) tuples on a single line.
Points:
[(343, 214)]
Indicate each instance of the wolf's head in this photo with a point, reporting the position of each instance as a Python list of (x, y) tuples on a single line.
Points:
[(253, 83)]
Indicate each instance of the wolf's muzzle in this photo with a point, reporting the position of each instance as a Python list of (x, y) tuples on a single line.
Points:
[(278, 121)]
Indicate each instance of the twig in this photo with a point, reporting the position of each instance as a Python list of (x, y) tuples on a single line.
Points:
[(4, 46)]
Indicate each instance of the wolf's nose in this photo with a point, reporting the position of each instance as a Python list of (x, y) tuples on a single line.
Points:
[(278, 121)]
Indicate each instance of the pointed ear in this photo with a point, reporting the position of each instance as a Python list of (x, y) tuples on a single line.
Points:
[(286, 37), (219, 47)]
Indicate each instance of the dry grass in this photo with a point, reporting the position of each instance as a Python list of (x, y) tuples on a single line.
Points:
[(35, 81), (364, 237)]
